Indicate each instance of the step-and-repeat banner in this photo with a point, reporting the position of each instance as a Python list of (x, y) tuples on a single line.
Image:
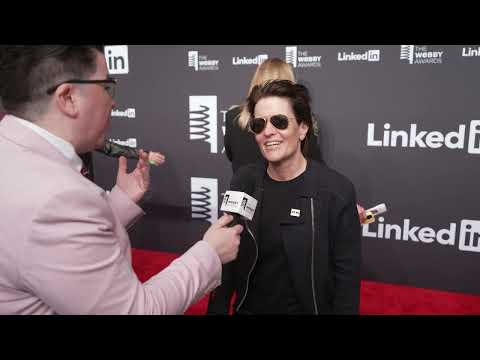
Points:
[(401, 121)]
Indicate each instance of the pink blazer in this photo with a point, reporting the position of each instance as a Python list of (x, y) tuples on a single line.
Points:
[(64, 248)]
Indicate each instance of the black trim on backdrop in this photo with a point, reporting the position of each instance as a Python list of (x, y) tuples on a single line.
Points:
[(276, 25), (355, 336)]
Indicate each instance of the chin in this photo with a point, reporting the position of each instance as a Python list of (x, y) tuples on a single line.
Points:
[(273, 156), (273, 159)]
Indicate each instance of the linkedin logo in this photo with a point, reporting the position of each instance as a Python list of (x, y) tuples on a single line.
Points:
[(117, 59)]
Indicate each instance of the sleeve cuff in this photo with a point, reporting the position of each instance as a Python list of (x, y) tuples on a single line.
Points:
[(127, 210), (205, 255)]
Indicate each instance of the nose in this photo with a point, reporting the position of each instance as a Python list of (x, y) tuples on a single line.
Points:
[(269, 129)]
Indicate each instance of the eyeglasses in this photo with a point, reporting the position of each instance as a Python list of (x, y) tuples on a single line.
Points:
[(259, 123), (109, 85)]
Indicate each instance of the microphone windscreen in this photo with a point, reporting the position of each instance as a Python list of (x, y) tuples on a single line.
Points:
[(237, 202)]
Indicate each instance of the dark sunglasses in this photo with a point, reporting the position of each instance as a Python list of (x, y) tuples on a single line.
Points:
[(258, 124), (109, 85)]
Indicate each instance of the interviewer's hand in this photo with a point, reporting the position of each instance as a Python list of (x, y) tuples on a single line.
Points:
[(136, 183), (224, 240)]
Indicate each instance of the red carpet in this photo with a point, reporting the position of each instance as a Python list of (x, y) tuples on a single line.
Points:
[(148, 263), (376, 298)]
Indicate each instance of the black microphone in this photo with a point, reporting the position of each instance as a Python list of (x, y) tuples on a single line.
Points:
[(239, 204)]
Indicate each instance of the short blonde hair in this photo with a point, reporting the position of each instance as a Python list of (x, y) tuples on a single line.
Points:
[(270, 69)]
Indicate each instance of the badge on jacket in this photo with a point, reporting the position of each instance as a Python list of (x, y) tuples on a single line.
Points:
[(295, 212)]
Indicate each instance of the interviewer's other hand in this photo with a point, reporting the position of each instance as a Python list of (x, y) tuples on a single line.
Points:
[(136, 183)]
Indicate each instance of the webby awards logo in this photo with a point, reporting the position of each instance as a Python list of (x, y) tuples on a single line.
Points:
[(201, 62), (203, 120), (301, 58), (415, 54), (204, 199)]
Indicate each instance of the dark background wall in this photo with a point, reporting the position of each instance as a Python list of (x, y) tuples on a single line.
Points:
[(431, 190)]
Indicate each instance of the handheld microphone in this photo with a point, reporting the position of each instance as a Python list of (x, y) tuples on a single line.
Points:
[(239, 204), (374, 211)]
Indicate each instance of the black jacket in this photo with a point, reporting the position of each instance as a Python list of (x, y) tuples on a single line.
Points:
[(241, 147), (322, 245)]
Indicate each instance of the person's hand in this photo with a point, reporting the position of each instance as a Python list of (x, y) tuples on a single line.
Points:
[(361, 213), (155, 158), (224, 240), (136, 183)]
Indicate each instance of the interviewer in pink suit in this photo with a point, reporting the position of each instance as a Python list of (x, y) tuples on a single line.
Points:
[(64, 248)]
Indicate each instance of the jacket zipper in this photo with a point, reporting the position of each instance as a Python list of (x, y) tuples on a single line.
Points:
[(251, 269), (312, 263)]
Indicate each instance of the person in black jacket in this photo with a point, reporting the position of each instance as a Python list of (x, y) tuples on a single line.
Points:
[(239, 142), (302, 251)]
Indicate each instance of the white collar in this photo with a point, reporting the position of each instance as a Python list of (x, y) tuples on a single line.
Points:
[(63, 146)]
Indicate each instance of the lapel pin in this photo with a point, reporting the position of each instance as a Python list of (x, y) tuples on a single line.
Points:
[(295, 212)]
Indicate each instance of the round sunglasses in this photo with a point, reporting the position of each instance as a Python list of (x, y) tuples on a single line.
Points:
[(259, 123)]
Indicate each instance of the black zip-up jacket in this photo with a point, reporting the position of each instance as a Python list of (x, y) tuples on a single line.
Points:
[(323, 245)]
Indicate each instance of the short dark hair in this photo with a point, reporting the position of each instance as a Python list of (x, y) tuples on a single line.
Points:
[(299, 99), (26, 72)]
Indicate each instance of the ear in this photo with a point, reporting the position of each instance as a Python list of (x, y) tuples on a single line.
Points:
[(66, 101), (303, 129)]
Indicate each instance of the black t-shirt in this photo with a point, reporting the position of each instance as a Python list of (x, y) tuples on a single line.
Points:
[(270, 288)]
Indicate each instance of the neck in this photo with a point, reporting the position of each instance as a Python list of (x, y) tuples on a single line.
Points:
[(62, 126), (56, 124), (288, 169), (60, 131)]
